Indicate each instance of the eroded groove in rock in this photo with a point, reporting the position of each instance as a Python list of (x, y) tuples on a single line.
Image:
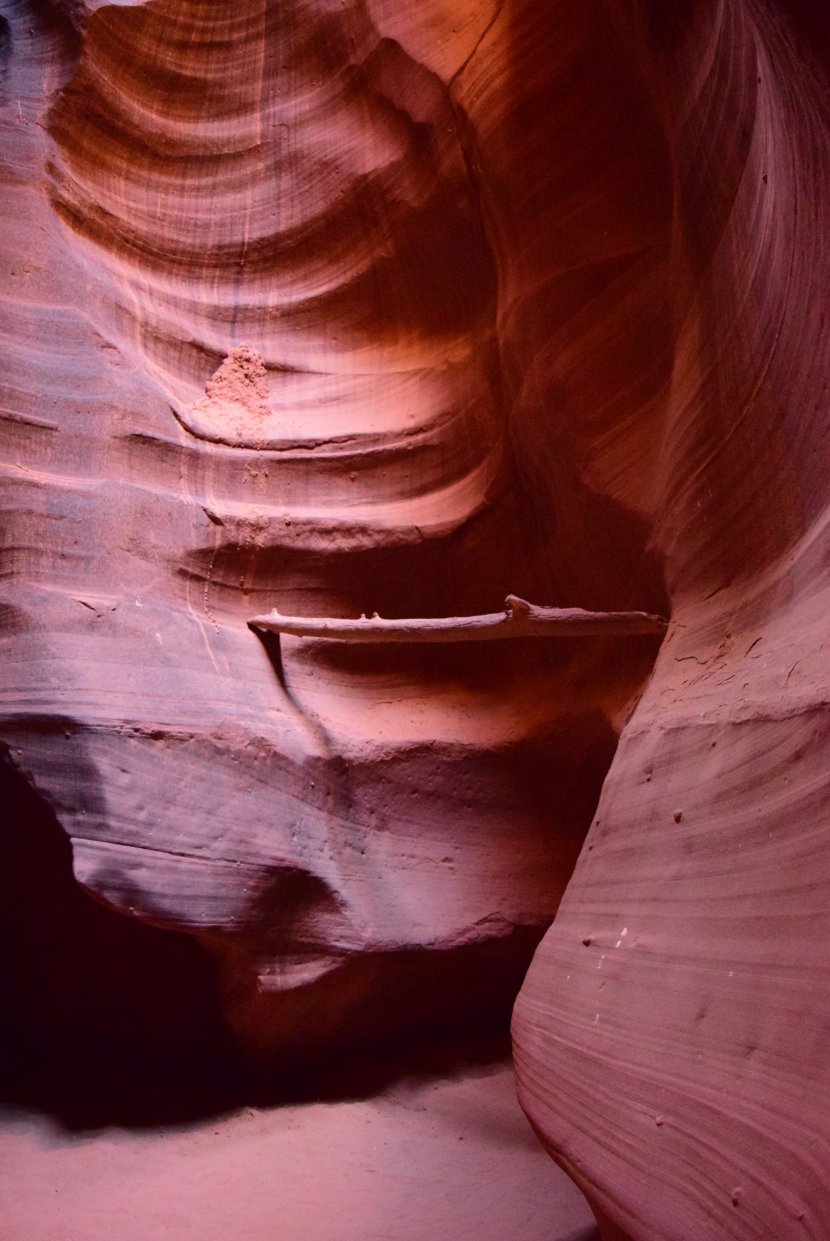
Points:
[(257, 359), (284, 177), (328, 309)]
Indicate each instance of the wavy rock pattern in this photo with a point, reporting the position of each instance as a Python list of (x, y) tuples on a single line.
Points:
[(671, 1031), (347, 308), (255, 363), (283, 177)]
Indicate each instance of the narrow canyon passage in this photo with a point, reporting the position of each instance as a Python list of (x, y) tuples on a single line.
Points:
[(414, 488)]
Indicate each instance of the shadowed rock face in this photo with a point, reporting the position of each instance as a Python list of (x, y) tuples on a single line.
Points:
[(344, 308)]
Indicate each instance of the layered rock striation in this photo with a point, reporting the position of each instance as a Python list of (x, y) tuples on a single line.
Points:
[(670, 1032), (329, 310), (260, 357)]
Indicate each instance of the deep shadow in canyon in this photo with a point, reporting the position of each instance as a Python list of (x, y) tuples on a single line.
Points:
[(105, 1020)]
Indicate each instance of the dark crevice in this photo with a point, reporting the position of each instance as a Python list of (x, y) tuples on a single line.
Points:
[(105, 1020), (102, 1019)]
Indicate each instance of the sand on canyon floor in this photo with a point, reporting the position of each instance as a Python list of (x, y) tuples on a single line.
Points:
[(426, 1160)]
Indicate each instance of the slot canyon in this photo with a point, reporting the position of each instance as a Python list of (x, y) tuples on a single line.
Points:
[(415, 482)]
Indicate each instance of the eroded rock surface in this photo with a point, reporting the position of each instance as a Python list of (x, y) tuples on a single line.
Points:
[(338, 309), (671, 1031), (260, 356)]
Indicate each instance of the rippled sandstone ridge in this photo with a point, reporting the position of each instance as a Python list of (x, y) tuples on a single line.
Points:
[(338, 308)]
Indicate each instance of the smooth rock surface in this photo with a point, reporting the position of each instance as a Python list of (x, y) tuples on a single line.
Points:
[(428, 1161), (672, 1031)]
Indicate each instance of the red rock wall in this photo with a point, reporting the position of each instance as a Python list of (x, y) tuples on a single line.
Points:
[(336, 200), (400, 308), (671, 1032)]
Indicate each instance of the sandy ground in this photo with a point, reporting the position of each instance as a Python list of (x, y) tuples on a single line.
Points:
[(453, 1159)]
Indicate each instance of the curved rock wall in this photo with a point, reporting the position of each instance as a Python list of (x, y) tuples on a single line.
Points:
[(263, 353), (344, 308), (670, 1034)]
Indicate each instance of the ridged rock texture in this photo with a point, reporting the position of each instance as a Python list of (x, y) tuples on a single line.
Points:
[(370, 306), (261, 355), (671, 1034)]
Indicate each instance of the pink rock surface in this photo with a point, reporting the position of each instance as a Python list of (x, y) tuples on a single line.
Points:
[(255, 360), (671, 1031), (338, 309)]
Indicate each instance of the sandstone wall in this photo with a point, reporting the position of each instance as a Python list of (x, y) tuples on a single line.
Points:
[(371, 307)]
